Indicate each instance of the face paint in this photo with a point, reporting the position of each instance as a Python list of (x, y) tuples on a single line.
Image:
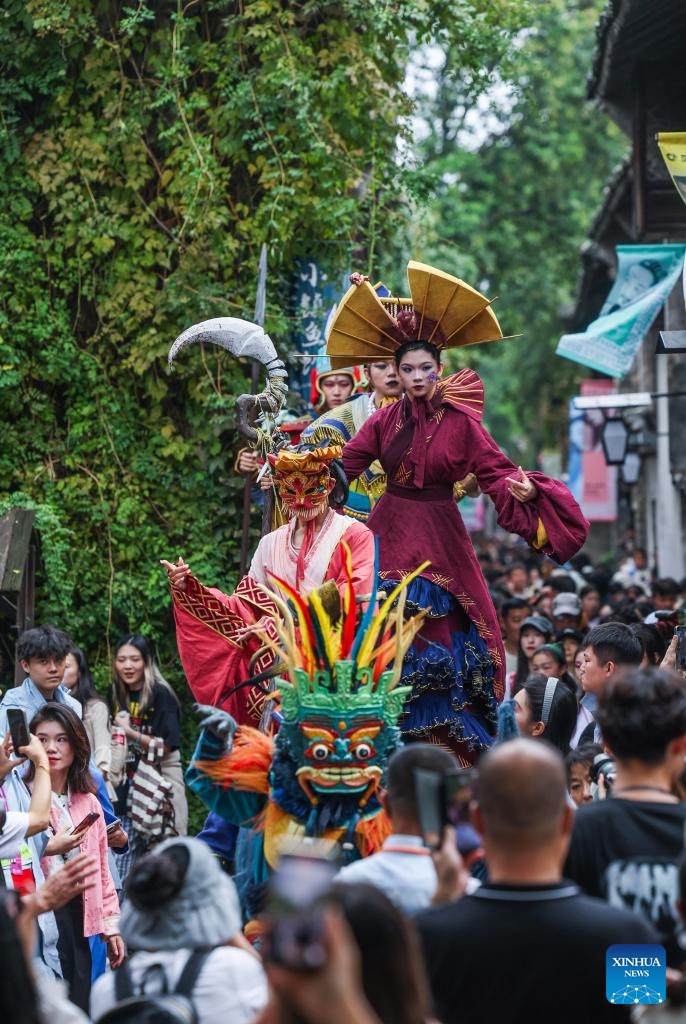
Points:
[(304, 494)]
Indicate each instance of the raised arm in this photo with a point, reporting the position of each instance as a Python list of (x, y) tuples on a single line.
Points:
[(541, 510)]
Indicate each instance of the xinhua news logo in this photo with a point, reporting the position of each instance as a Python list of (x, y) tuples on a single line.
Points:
[(635, 974)]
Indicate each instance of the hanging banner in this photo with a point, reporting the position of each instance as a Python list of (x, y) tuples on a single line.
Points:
[(315, 293), (646, 275), (592, 482), (673, 148)]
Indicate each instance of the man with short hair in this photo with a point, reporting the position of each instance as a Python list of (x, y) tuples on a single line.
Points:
[(626, 849), (403, 868), (517, 580), (526, 945), (665, 594), (607, 649), (42, 652), (513, 611)]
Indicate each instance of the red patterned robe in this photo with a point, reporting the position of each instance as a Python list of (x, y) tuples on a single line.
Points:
[(217, 652)]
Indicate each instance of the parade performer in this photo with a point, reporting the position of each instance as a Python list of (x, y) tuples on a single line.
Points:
[(431, 438), (340, 702), (339, 425), (218, 643), (329, 388)]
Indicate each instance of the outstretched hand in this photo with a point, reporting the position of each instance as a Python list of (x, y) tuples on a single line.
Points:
[(177, 572), (217, 722), (521, 487)]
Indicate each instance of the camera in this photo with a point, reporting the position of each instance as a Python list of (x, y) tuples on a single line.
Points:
[(604, 766)]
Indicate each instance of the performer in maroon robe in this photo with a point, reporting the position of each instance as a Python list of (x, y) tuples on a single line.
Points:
[(426, 442)]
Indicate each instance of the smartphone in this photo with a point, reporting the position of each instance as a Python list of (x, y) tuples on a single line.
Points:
[(113, 826), (680, 650), (84, 823), (19, 729), (441, 798), (295, 910)]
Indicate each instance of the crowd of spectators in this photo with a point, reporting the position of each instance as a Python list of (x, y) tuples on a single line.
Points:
[(570, 839)]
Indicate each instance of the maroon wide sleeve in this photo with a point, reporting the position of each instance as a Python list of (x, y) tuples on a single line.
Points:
[(564, 523)]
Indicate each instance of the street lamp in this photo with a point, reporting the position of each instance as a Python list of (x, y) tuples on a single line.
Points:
[(630, 469), (615, 439)]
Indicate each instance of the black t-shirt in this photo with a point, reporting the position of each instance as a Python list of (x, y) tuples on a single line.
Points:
[(523, 955), (160, 718), (627, 852)]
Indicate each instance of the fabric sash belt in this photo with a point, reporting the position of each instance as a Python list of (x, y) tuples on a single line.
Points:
[(435, 492)]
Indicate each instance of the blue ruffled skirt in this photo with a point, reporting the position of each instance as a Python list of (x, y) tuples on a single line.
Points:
[(451, 675)]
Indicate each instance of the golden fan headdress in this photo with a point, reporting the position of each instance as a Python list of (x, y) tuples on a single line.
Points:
[(442, 310)]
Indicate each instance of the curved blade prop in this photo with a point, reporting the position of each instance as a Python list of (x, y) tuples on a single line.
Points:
[(242, 339)]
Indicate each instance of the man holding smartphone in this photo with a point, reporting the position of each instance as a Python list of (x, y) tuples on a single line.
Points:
[(403, 869)]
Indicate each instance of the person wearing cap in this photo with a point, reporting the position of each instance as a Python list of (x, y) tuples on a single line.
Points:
[(566, 610), (217, 633), (571, 640), (534, 631), (178, 900), (427, 442)]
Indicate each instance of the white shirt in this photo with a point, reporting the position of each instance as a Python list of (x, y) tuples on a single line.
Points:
[(232, 985), (402, 869), (13, 833)]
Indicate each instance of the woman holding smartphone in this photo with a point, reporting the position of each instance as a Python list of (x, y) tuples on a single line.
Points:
[(77, 823)]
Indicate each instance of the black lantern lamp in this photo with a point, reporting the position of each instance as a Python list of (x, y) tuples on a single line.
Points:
[(631, 469), (615, 439)]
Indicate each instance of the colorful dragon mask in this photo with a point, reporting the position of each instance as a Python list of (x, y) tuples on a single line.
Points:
[(339, 705)]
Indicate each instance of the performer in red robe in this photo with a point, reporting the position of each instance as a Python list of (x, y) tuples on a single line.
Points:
[(426, 442), (217, 633)]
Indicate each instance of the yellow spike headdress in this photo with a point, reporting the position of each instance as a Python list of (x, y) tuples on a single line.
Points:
[(442, 310), (336, 666)]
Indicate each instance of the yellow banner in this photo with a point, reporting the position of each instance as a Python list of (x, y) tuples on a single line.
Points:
[(673, 148)]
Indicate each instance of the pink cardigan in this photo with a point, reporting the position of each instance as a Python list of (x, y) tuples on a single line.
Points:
[(100, 903)]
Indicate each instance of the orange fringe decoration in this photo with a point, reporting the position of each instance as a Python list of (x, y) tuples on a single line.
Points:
[(247, 766)]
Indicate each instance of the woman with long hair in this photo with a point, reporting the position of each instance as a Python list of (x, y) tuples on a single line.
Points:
[(545, 708), (144, 706), (374, 972), (76, 821), (79, 681)]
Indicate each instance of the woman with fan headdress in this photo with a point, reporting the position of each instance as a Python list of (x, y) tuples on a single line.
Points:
[(427, 442)]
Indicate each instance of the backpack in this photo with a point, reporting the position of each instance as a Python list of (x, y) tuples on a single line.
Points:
[(174, 1007)]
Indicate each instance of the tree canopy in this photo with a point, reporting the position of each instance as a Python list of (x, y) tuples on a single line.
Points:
[(146, 152), (517, 179)]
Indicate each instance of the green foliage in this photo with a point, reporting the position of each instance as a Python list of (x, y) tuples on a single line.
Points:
[(517, 189), (146, 152)]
